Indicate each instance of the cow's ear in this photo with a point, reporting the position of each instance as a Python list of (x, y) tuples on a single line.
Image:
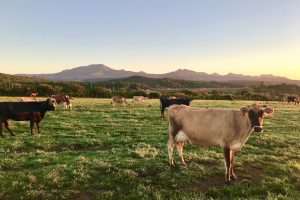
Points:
[(268, 111), (244, 110)]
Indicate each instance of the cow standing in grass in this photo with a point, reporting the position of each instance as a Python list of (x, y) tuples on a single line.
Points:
[(138, 98), (227, 128), (64, 99), (24, 111), (293, 99), (118, 99), (166, 102)]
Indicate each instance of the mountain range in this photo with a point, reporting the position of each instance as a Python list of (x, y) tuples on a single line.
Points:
[(100, 72)]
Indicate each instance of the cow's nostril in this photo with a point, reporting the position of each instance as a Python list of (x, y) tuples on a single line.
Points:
[(258, 129)]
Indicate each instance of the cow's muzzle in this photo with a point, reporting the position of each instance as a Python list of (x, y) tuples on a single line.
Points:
[(258, 129)]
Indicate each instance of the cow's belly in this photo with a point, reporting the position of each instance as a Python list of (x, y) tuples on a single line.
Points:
[(204, 139), (20, 116)]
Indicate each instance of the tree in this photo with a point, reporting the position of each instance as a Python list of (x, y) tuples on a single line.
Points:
[(100, 91), (45, 89), (77, 89)]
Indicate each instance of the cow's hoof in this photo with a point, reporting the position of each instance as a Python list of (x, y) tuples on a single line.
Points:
[(233, 177), (171, 164), (184, 164), (228, 182)]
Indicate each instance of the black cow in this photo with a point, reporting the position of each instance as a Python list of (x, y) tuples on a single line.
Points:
[(24, 111), (166, 102), (294, 99)]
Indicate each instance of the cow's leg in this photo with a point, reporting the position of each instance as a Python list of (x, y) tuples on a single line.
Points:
[(170, 150), (7, 127), (226, 152), (1, 125), (232, 175), (171, 142), (179, 147), (38, 126), (162, 109), (31, 126)]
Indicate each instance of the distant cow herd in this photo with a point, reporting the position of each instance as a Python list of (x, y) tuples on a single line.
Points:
[(227, 128), (293, 99)]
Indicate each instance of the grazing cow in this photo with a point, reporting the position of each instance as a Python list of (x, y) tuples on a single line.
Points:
[(294, 99), (24, 111), (227, 128), (60, 98), (118, 99), (27, 99), (64, 99), (138, 98), (164, 103), (67, 103)]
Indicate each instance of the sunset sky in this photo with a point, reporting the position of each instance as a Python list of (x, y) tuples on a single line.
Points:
[(250, 37)]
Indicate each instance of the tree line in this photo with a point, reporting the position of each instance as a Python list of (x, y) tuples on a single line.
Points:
[(152, 88)]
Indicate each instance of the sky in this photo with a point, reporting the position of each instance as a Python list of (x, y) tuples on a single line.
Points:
[(250, 37)]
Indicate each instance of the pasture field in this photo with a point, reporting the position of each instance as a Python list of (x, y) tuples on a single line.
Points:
[(98, 152)]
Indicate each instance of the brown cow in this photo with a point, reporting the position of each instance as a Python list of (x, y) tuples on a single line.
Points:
[(227, 128), (24, 111), (293, 99), (64, 99), (118, 99), (60, 98)]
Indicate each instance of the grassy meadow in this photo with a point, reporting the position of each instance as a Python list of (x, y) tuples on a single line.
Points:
[(96, 151)]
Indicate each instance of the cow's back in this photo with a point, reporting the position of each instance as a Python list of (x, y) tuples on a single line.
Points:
[(6, 107)]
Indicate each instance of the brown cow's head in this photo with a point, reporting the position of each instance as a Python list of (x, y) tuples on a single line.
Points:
[(256, 115), (50, 104)]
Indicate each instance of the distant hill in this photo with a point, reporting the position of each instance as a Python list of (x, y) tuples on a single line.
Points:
[(100, 72), (82, 73)]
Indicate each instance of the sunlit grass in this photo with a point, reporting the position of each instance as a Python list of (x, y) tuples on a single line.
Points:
[(96, 151)]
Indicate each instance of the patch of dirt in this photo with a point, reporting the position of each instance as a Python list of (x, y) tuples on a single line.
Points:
[(206, 165), (85, 195), (204, 186), (250, 173), (56, 149), (253, 171), (152, 172)]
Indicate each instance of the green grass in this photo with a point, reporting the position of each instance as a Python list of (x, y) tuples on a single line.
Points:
[(99, 152)]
